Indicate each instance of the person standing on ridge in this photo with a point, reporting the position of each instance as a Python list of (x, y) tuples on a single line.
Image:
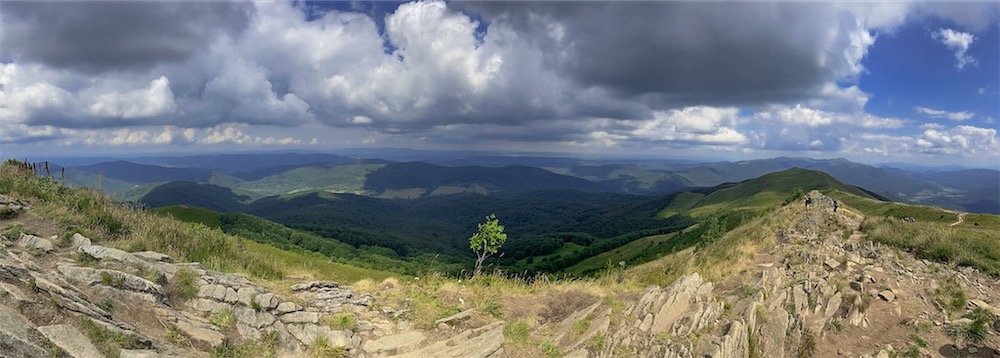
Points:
[(835, 204), (809, 200)]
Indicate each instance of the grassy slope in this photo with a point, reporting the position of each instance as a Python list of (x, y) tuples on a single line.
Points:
[(107, 223), (191, 214), (732, 207), (626, 253), (974, 242)]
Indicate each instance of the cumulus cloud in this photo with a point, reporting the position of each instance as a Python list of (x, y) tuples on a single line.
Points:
[(154, 100), (959, 42), (234, 134), (803, 128), (753, 76), (960, 139), (269, 63), (701, 125), (936, 113)]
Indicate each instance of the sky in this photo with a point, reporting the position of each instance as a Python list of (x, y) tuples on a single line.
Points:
[(907, 82)]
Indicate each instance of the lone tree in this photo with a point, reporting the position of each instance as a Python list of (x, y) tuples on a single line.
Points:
[(487, 241)]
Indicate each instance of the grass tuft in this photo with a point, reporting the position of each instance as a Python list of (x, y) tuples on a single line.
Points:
[(343, 321), (186, 283), (107, 341), (223, 318)]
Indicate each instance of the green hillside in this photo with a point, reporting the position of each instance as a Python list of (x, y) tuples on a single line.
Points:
[(550, 230), (930, 232), (771, 188), (191, 214), (346, 178), (107, 223)]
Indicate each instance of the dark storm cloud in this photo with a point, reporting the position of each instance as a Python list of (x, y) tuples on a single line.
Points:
[(115, 35), (688, 53)]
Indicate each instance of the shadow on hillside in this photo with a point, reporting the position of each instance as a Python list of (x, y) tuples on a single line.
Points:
[(950, 350)]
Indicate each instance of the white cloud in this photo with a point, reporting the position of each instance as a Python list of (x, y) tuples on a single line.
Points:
[(154, 100), (704, 125), (931, 126), (966, 142), (982, 90), (959, 42), (936, 113), (360, 120), (799, 115)]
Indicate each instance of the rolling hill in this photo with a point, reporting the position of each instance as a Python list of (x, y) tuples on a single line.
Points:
[(144, 173)]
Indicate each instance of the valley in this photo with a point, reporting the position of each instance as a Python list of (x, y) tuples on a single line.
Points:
[(745, 270), (564, 215)]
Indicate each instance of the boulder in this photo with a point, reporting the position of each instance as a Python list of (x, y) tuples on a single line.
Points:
[(245, 296), (267, 301), (79, 240), (253, 318), (887, 295), (230, 296), (70, 340), (300, 317), (35, 242), (287, 307), (108, 253)]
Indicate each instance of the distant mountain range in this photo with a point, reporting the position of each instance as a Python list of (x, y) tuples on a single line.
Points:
[(260, 175)]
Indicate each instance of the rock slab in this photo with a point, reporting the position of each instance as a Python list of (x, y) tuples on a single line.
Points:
[(70, 340)]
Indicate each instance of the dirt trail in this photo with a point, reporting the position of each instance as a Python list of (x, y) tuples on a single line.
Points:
[(961, 219)]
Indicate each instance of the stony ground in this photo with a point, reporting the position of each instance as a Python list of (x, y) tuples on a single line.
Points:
[(823, 291)]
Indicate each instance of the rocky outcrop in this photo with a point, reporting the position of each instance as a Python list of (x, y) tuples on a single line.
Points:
[(11, 208), (486, 341), (394, 344), (140, 287), (17, 335)]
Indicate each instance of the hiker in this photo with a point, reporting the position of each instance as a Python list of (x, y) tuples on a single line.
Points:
[(809, 200), (835, 205)]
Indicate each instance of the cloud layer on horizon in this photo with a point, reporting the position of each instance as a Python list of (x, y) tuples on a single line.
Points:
[(627, 75)]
